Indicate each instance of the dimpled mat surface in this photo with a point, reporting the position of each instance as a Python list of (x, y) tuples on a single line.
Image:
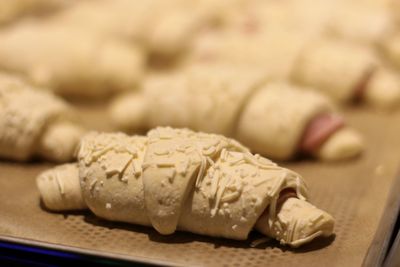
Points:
[(354, 192)]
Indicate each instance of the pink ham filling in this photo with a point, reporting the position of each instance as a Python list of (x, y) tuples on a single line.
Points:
[(286, 194), (319, 130), (283, 196)]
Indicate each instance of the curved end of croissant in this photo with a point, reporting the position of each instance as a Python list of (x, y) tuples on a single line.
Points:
[(60, 189), (59, 141), (383, 91), (128, 112), (296, 223), (344, 144), (307, 222)]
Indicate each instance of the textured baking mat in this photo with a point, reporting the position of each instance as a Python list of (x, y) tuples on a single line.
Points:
[(355, 193)]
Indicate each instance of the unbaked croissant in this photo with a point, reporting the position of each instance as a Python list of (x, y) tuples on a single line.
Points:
[(69, 61), (177, 179), (162, 27), (363, 21), (347, 71), (343, 70), (274, 119), (34, 122)]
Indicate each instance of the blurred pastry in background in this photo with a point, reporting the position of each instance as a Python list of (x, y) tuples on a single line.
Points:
[(35, 123), (273, 52), (163, 28), (344, 70), (274, 119), (71, 62), (347, 71)]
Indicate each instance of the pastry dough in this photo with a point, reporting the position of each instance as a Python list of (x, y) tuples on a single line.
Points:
[(383, 89), (341, 69), (346, 71), (274, 51), (269, 119), (164, 28), (279, 113), (176, 179), (334, 67), (34, 122), (72, 62)]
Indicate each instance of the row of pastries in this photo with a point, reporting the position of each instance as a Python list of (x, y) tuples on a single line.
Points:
[(220, 87)]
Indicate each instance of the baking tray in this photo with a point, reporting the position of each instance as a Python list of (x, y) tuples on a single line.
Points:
[(393, 258), (361, 194)]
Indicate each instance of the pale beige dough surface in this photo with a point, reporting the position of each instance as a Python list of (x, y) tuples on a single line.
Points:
[(34, 122), (179, 179), (90, 65)]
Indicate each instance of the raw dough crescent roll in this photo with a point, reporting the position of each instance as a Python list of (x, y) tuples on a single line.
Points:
[(346, 71), (163, 27), (271, 120), (177, 179), (275, 51), (274, 121), (34, 122), (118, 18), (72, 62), (341, 69), (173, 30)]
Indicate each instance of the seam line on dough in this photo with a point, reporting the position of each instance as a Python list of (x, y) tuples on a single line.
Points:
[(246, 99)]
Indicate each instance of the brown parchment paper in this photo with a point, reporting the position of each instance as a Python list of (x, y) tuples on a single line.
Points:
[(354, 192)]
